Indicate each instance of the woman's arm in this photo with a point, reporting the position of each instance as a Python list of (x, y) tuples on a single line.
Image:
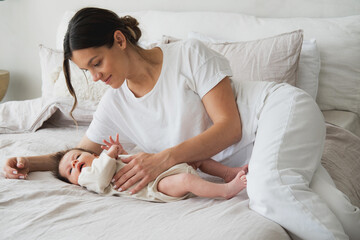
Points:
[(221, 106), (19, 167), (87, 144), (222, 109)]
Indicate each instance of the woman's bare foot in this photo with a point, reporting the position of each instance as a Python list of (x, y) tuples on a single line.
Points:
[(232, 172), (236, 185)]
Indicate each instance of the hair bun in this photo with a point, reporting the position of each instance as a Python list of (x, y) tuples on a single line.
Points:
[(132, 26)]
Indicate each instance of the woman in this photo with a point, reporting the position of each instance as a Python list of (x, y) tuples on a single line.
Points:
[(177, 103)]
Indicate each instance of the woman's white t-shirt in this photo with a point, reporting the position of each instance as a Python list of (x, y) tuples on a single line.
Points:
[(172, 111)]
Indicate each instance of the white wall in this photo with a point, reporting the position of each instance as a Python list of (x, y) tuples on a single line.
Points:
[(24, 24)]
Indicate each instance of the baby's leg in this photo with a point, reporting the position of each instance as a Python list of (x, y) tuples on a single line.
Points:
[(180, 184), (231, 173), (215, 168)]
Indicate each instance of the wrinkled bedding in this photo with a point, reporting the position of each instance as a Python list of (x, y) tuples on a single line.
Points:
[(35, 112), (44, 207), (341, 158)]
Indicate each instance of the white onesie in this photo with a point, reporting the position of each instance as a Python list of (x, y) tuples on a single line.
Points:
[(98, 178)]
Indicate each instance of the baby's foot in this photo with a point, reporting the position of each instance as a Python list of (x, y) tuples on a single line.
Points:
[(232, 172), (236, 185)]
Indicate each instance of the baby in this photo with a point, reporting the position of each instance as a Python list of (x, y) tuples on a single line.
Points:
[(84, 168)]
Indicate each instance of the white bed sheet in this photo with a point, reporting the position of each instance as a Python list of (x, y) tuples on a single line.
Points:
[(44, 207)]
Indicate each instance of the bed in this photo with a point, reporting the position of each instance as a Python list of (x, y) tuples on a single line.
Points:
[(44, 207)]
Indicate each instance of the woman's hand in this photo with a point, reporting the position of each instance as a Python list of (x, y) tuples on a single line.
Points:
[(16, 168), (142, 168)]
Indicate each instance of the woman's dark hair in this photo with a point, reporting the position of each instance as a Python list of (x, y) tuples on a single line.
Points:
[(95, 27), (58, 156)]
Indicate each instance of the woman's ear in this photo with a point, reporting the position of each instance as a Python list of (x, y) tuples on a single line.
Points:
[(120, 39)]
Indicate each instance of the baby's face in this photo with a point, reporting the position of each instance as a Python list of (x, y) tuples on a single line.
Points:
[(72, 164)]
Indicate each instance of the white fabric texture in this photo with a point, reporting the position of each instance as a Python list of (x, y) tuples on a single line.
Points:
[(84, 86), (287, 154), (98, 177), (256, 98), (53, 79), (51, 66), (36, 111), (338, 202), (309, 63), (309, 68)]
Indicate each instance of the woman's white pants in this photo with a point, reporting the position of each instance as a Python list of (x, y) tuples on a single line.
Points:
[(286, 159)]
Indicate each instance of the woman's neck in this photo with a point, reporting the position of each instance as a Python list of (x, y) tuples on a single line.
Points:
[(146, 69)]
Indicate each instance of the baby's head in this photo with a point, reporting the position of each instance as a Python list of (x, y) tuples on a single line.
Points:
[(71, 162)]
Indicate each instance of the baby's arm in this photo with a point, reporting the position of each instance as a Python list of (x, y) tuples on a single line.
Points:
[(114, 148), (98, 177)]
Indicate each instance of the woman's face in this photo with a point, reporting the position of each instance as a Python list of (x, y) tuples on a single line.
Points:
[(72, 164), (106, 64)]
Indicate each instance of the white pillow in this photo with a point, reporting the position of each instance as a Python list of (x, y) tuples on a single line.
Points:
[(51, 66), (309, 64), (83, 84), (338, 40), (272, 59), (309, 68), (53, 79)]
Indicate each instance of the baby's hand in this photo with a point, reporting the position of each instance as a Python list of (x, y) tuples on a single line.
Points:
[(113, 151), (114, 148)]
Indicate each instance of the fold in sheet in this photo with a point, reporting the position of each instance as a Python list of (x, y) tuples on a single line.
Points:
[(30, 115)]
